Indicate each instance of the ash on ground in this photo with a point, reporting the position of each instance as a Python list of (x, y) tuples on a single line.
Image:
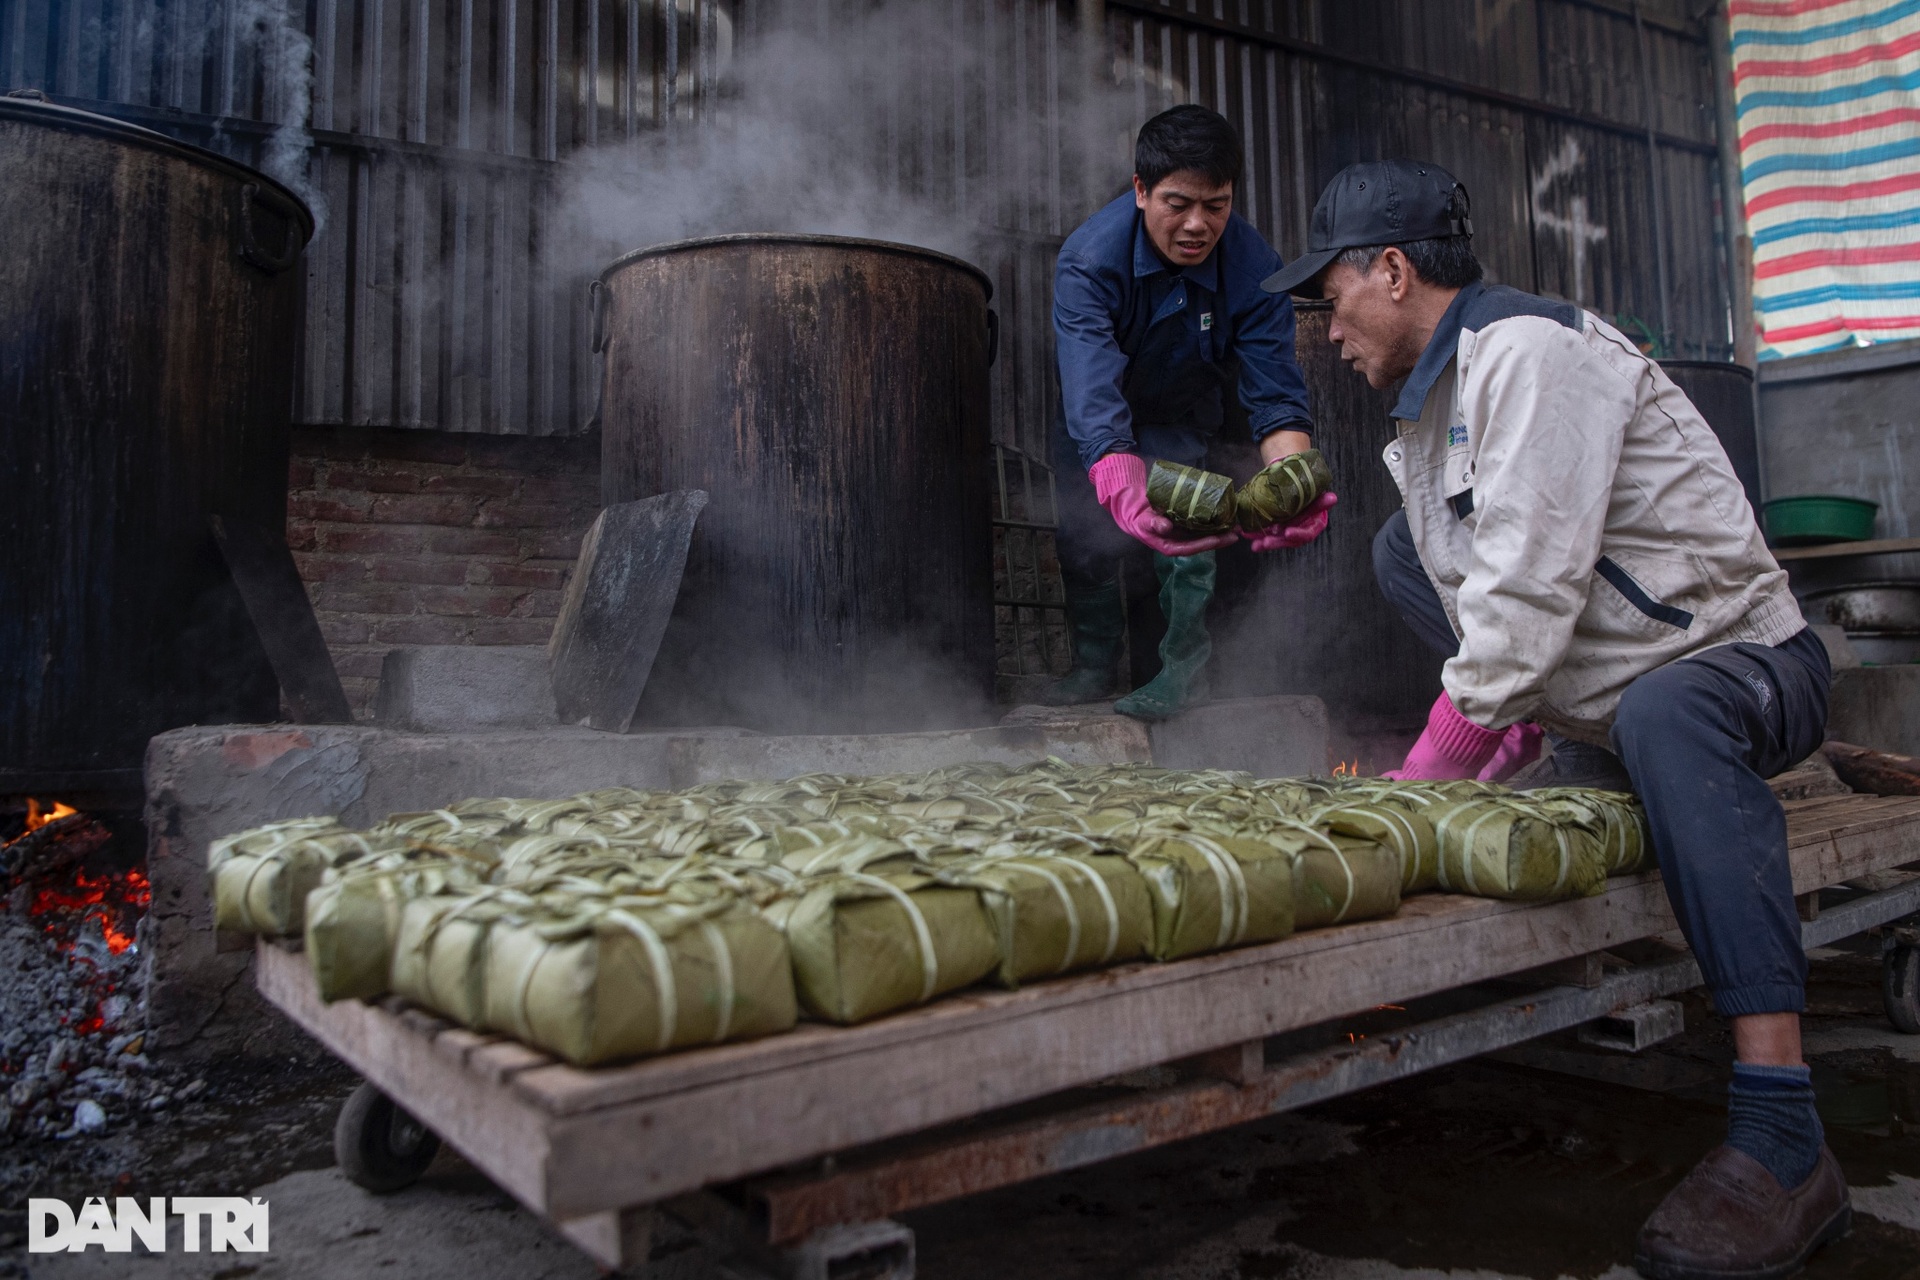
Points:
[(71, 1001), (84, 1110)]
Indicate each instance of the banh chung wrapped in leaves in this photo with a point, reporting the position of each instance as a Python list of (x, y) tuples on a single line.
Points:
[(1197, 501), (261, 878), (1057, 903), (1209, 893), (593, 977), (871, 894), (866, 943), (1282, 490)]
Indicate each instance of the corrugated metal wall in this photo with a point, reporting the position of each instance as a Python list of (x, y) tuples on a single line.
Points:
[(439, 126)]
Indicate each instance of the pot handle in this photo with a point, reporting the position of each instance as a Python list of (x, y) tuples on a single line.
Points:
[(597, 308), (250, 247), (993, 336)]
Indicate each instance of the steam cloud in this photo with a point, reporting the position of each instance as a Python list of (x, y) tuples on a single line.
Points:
[(903, 125), (284, 52)]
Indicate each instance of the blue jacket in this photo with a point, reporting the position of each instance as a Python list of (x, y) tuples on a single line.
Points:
[(1142, 344)]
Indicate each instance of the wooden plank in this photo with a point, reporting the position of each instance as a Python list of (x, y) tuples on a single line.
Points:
[(1022, 1045), (1834, 550), (616, 1137), (1877, 813), (457, 1044), (928, 1168), (423, 1023), (616, 1239), (263, 571), (566, 1090), (1236, 1063), (1887, 834), (615, 609), (1012, 1052), (908, 1173), (1812, 819), (487, 1124), (502, 1060)]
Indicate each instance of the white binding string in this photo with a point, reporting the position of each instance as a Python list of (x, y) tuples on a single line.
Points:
[(723, 973), (1099, 884), (1066, 904), (663, 981), (1234, 908), (929, 962), (1566, 857)]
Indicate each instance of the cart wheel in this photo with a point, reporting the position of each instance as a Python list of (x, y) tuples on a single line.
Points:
[(379, 1146), (1900, 988)]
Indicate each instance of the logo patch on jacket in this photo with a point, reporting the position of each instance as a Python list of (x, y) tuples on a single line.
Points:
[(1206, 321), (1456, 436)]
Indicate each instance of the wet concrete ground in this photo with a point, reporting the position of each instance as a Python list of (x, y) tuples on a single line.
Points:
[(1538, 1163)]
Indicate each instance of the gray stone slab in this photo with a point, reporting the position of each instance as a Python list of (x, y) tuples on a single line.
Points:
[(206, 782), (617, 607), (1275, 737), (714, 759), (1877, 707), (448, 688), (1279, 736)]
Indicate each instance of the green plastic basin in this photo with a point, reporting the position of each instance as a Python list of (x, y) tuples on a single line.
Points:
[(1819, 517)]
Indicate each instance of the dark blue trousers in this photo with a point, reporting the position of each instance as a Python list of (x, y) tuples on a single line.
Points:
[(1699, 737)]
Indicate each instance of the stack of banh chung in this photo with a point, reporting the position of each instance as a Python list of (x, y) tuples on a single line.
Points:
[(622, 923)]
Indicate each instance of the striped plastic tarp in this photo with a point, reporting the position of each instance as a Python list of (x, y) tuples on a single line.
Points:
[(1828, 96)]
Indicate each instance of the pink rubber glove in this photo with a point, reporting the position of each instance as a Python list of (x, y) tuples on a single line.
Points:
[(1519, 747), (1120, 482), (1451, 748), (1300, 530)]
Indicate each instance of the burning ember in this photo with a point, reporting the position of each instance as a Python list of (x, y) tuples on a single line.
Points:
[(70, 1044), (38, 817)]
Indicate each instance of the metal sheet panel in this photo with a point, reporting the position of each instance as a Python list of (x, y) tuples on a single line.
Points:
[(439, 122)]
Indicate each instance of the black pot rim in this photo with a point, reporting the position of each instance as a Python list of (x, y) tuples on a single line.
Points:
[(52, 115), (795, 237)]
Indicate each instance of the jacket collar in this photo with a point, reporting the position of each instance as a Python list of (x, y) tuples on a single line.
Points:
[(1146, 262), (1440, 350)]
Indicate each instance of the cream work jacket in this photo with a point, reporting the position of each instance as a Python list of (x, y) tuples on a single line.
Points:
[(1580, 520)]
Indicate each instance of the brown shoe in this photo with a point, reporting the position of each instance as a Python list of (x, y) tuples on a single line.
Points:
[(1731, 1219)]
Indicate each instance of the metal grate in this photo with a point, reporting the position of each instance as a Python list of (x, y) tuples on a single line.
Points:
[(1029, 604)]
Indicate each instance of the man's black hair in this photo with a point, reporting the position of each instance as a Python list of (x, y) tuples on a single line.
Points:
[(1446, 261), (1188, 137)]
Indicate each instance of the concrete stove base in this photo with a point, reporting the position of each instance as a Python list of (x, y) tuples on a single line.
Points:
[(210, 781)]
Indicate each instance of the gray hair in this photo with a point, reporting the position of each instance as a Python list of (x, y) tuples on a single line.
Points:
[(1446, 261)]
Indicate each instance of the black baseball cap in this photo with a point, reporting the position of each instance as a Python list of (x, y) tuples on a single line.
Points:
[(1379, 202)]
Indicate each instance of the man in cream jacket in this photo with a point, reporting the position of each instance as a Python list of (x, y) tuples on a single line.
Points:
[(1575, 541)]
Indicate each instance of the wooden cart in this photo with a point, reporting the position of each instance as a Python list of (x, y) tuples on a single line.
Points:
[(815, 1137)]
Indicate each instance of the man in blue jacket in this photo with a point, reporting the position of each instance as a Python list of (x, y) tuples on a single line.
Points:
[(1157, 299)]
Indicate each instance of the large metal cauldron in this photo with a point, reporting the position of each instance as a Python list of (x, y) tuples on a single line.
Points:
[(148, 321), (831, 397), (1312, 620), (1723, 393)]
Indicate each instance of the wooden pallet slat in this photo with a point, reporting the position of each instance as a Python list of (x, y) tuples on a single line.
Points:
[(574, 1142), (485, 1123)]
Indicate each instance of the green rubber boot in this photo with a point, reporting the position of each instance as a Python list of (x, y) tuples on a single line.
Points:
[(1099, 620), (1186, 585)]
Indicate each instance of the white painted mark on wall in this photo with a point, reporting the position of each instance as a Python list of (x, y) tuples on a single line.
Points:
[(1573, 220)]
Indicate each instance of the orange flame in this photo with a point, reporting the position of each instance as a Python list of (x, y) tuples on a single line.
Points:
[(1347, 769), (38, 817)]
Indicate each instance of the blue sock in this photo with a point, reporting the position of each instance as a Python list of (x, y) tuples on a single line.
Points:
[(1770, 1116)]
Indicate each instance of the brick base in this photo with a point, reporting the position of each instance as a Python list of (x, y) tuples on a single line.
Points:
[(431, 537)]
